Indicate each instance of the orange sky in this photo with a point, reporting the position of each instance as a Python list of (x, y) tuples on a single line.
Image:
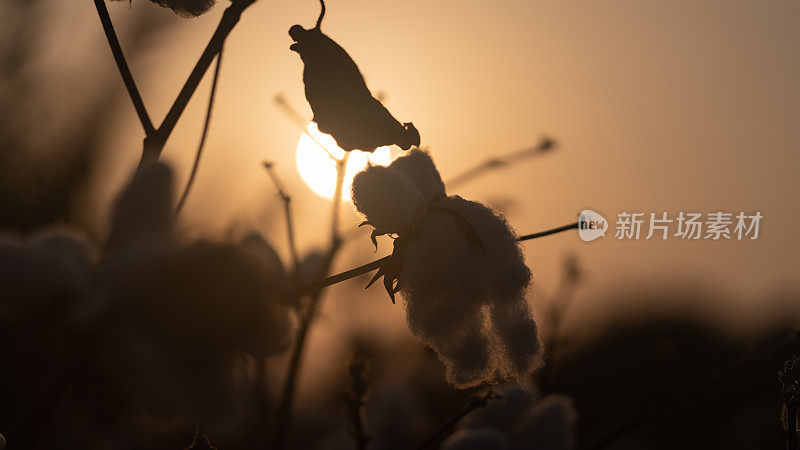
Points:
[(658, 106)]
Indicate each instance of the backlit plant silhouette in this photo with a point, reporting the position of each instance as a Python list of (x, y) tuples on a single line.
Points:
[(151, 339)]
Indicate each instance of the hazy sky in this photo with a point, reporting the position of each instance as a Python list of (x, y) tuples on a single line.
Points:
[(658, 106)]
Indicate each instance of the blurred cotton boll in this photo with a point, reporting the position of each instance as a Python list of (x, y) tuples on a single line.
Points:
[(265, 255), (173, 319), (477, 439), (43, 277), (393, 414), (461, 272), (186, 8), (176, 324), (525, 420)]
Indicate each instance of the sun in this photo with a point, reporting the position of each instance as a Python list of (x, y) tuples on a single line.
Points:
[(318, 169)]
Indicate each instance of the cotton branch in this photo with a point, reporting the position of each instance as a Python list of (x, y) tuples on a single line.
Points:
[(352, 273), (446, 429), (287, 208), (285, 404), (203, 136), (355, 397), (544, 146), (156, 138), (122, 66), (154, 143), (298, 120), (554, 314)]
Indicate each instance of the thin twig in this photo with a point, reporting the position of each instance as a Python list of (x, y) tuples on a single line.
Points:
[(554, 314), (203, 136), (527, 237), (122, 66), (447, 428), (262, 405), (285, 405), (301, 123), (154, 143), (355, 398), (341, 169), (287, 207), (321, 14), (544, 146), (33, 425), (654, 410), (369, 267)]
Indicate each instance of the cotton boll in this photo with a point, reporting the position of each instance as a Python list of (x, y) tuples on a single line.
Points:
[(270, 263), (418, 166), (175, 322), (507, 278), (143, 213), (310, 267), (462, 273), (444, 298), (392, 411), (527, 421), (468, 302), (550, 425), (504, 412), (186, 8), (477, 439), (43, 277), (387, 198), (70, 247)]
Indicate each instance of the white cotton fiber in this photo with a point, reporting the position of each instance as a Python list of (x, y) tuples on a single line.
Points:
[(467, 300)]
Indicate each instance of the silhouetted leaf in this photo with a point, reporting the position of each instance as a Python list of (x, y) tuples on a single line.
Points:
[(340, 100)]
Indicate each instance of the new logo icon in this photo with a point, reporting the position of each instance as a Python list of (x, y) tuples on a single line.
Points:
[(591, 225)]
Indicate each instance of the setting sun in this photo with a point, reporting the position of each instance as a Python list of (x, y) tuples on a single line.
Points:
[(318, 169)]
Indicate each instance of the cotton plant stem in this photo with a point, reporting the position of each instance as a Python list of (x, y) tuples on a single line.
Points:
[(286, 403), (791, 429), (203, 137), (287, 209), (447, 428), (156, 138), (122, 66), (154, 142), (352, 273), (654, 410), (34, 424), (301, 123), (341, 169), (495, 163), (554, 314), (355, 398)]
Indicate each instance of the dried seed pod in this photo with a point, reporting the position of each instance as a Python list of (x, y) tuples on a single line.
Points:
[(458, 267), (342, 104)]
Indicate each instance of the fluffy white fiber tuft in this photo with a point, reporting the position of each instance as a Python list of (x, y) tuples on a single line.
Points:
[(466, 302)]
